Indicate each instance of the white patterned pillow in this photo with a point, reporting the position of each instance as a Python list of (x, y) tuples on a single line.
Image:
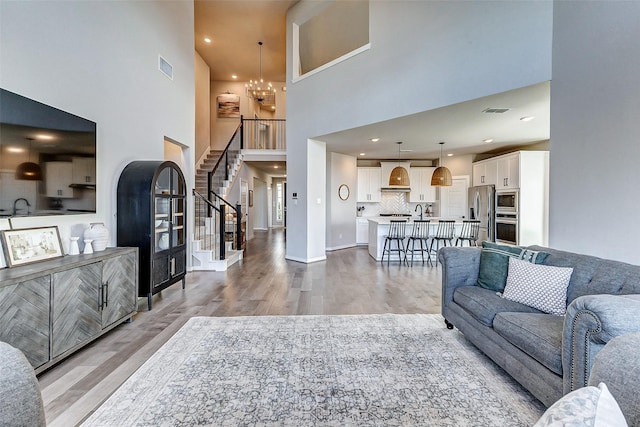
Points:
[(586, 406), (539, 286)]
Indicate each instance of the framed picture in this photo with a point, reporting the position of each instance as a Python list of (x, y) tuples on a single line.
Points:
[(27, 245), (228, 105), (250, 198)]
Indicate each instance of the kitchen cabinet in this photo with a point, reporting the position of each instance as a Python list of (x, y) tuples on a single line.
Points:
[(51, 309), (485, 172), (152, 213), (369, 182), (59, 176), (508, 172), (84, 170), (362, 231), (421, 189)]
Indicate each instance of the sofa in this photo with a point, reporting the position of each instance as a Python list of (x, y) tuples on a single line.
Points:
[(549, 354)]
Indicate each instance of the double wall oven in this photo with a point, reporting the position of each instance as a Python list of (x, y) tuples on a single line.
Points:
[(507, 217)]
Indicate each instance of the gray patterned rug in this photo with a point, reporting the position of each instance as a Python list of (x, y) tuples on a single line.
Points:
[(374, 370)]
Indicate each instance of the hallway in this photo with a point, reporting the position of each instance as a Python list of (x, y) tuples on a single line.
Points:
[(264, 283)]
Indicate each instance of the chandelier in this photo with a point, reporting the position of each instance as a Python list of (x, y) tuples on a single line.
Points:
[(265, 94)]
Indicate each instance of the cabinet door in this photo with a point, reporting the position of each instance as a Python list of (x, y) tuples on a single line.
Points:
[(119, 293), (375, 182), (491, 172), (415, 178), (59, 176), (362, 231), (508, 172), (24, 318), (75, 307), (363, 185), (84, 170), (479, 174)]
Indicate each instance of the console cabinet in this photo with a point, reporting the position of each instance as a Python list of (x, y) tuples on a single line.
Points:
[(51, 309)]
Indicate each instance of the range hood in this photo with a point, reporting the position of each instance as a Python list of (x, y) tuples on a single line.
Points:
[(387, 167)]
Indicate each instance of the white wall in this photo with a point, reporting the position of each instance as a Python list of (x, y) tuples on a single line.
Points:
[(202, 107), (595, 132), (248, 174), (99, 60), (341, 214), (423, 55)]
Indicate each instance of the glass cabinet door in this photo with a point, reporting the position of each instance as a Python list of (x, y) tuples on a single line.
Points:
[(177, 222)]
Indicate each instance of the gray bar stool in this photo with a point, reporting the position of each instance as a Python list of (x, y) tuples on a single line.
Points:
[(469, 232), (397, 235), (419, 233)]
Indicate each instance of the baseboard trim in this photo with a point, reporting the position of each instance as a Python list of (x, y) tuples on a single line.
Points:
[(336, 248), (306, 261)]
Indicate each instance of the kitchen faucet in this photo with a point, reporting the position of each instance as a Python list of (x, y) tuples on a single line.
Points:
[(418, 206), (15, 205)]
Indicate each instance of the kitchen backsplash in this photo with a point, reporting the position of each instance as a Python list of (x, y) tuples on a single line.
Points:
[(392, 202)]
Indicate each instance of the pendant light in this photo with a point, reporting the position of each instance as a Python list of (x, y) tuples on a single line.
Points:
[(29, 171), (399, 175), (441, 176), (258, 90)]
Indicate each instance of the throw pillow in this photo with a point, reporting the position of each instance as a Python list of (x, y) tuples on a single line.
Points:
[(539, 286), (494, 263), (587, 406)]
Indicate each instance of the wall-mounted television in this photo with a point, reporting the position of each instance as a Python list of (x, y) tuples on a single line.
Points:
[(47, 159)]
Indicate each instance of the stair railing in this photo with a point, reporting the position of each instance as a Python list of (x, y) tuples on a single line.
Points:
[(220, 171), (205, 224), (233, 223), (264, 134)]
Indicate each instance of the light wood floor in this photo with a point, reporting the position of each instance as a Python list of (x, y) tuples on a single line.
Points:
[(264, 283)]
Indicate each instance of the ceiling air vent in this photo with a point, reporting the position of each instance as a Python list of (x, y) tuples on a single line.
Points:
[(165, 67), (495, 110)]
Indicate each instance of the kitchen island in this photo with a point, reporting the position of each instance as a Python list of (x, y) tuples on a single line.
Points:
[(379, 229)]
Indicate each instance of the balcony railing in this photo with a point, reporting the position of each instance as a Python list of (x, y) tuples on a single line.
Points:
[(264, 134)]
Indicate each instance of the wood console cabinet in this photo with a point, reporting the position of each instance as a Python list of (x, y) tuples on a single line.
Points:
[(53, 308), (152, 213)]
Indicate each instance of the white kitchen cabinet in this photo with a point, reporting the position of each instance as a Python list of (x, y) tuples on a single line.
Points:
[(362, 231), (59, 176), (508, 172), (84, 170), (421, 189), (485, 172), (369, 180)]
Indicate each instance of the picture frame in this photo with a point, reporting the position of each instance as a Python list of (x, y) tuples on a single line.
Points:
[(343, 192), (228, 105), (29, 245), (250, 198)]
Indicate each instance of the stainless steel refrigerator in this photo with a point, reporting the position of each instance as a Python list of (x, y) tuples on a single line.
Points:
[(482, 207)]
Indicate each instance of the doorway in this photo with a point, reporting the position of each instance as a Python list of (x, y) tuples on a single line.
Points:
[(260, 205), (453, 199)]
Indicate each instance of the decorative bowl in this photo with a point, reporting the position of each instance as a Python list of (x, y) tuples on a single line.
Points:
[(158, 222)]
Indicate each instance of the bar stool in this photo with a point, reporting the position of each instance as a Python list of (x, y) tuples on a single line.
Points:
[(444, 234), (420, 233), (396, 234), (469, 232)]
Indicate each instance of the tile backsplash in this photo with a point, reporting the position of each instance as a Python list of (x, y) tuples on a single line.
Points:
[(392, 202)]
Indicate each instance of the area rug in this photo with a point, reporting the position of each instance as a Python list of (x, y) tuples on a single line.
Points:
[(373, 370)]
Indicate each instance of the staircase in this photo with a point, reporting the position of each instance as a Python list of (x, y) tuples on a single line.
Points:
[(206, 241)]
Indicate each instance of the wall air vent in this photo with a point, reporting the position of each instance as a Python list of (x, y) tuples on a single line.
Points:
[(495, 110), (165, 67)]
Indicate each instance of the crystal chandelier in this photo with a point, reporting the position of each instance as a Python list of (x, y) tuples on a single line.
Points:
[(265, 94)]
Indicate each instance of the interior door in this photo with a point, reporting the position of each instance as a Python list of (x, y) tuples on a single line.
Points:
[(454, 199)]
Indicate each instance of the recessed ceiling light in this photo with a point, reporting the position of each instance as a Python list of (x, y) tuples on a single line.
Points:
[(362, 154), (273, 107), (487, 141), (275, 166), (233, 76), (527, 118), (375, 139), (44, 137), (450, 155), (15, 150), (207, 40)]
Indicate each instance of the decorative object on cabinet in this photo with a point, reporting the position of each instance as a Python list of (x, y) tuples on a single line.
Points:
[(99, 234), (53, 308), (343, 192), (88, 248), (399, 175), (441, 176), (27, 245), (74, 249), (148, 192)]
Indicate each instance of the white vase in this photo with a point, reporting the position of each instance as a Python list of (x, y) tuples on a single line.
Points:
[(73, 246), (99, 234), (88, 249), (163, 243)]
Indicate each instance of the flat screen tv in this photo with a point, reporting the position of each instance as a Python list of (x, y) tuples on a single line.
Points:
[(47, 159)]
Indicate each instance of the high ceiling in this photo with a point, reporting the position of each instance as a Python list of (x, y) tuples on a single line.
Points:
[(236, 26)]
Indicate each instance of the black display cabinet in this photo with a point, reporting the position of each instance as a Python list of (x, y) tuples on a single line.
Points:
[(152, 209)]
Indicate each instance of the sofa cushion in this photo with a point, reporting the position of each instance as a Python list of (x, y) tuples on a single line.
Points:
[(494, 263), (538, 335), (483, 304), (540, 286), (587, 406)]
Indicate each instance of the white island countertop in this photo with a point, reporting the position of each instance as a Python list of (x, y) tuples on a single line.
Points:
[(387, 219)]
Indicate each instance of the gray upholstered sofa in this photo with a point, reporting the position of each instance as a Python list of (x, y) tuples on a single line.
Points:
[(549, 355)]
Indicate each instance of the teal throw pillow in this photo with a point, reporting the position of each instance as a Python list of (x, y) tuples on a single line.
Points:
[(494, 263)]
